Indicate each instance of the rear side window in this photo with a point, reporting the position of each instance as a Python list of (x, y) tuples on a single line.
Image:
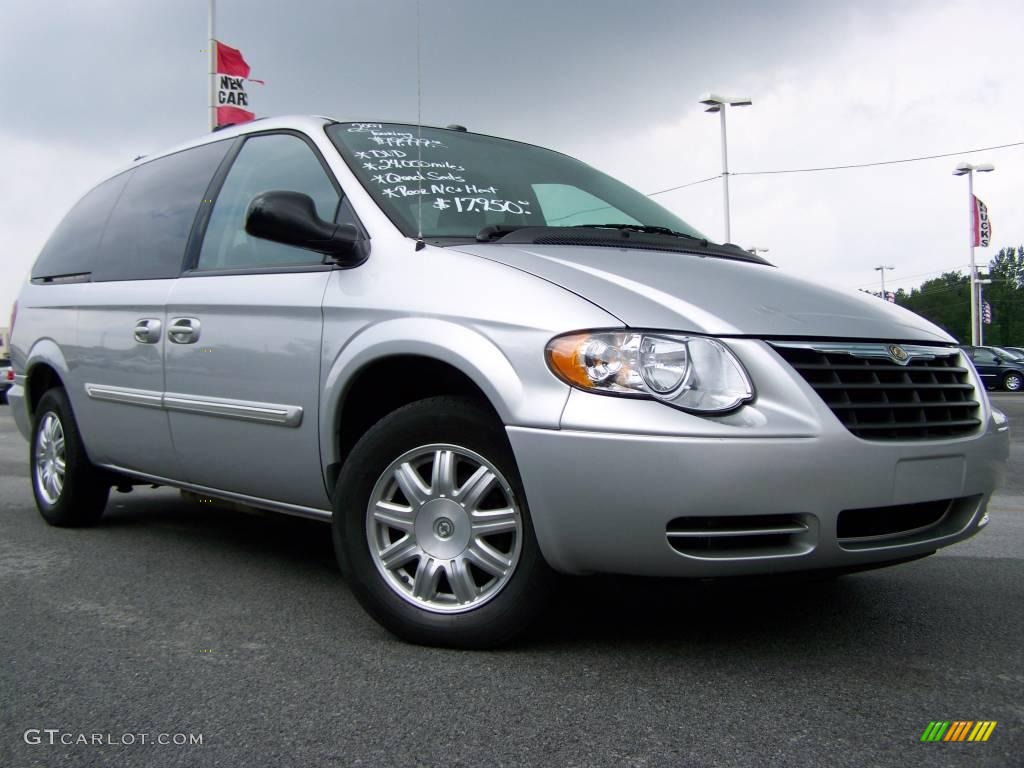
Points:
[(148, 231), (71, 248)]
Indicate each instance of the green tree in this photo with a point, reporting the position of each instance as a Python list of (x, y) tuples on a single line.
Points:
[(946, 300), (1006, 297)]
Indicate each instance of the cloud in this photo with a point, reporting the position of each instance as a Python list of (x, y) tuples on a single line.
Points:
[(892, 86), (615, 84)]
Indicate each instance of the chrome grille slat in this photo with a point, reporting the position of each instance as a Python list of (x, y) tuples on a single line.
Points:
[(900, 368), (773, 531), (964, 387), (929, 397), (738, 536), (868, 404)]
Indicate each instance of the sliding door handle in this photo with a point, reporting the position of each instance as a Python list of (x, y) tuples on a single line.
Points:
[(183, 330), (147, 330)]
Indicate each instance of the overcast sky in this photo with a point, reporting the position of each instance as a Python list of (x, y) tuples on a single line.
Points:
[(86, 85)]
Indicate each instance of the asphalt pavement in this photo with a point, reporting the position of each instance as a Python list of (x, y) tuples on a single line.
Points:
[(173, 621)]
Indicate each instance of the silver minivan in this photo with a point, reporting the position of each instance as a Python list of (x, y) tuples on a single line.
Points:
[(485, 363)]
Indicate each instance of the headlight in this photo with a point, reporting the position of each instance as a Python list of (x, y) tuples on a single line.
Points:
[(694, 373)]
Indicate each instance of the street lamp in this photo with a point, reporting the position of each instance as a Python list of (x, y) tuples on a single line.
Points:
[(715, 103), (881, 270), (966, 169)]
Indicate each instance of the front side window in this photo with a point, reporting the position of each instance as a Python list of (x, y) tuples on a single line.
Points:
[(449, 183), (265, 163)]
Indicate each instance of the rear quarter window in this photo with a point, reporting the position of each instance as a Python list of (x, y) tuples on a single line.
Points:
[(148, 230), (71, 249)]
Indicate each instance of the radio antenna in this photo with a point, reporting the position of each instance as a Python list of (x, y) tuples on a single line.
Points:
[(419, 135)]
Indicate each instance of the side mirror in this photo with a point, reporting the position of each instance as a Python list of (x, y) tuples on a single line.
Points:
[(290, 218)]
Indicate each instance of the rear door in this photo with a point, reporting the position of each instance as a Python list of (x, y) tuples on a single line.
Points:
[(245, 327), (116, 362)]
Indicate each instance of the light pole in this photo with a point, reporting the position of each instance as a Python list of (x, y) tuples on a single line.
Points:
[(981, 309), (715, 103), (966, 169), (881, 270)]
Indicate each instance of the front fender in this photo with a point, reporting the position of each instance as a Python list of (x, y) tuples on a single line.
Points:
[(503, 381)]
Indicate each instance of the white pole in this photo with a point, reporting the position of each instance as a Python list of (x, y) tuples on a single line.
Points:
[(725, 177), (975, 336), (981, 309), (885, 296), (212, 50)]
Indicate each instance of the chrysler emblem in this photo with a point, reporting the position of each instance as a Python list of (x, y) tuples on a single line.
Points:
[(898, 353)]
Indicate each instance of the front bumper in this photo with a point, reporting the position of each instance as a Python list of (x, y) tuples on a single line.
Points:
[(603, 502), (606, 490)]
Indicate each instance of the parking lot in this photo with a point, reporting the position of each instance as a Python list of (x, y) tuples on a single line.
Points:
[(174, 618)]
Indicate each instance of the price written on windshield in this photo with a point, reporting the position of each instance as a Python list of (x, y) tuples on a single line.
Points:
[(470, 204)]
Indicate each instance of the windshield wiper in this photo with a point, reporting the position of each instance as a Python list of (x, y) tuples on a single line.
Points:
[(646, 229), (495, 231)]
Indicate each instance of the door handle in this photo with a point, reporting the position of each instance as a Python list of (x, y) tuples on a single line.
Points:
[(147, 330), (183, 330)]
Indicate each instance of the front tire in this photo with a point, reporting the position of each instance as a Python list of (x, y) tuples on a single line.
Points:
[(1013, 382), (432, 530), (69, 490)]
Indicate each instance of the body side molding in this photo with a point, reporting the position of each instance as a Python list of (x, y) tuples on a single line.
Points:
[(243, 410)]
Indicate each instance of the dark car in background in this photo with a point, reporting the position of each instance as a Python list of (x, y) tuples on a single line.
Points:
[(6, 380), (997, 368)]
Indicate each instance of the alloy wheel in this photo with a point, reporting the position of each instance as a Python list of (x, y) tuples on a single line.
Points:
[(50, 458), (444, 528)]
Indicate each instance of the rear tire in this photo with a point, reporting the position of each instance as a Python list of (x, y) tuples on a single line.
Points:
[(1013, 382), (432, 530), (69, 490)]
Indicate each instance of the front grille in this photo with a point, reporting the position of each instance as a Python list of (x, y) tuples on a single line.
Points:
[(877, 398)]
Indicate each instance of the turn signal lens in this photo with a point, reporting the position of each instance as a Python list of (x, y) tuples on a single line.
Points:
[(695, 373)]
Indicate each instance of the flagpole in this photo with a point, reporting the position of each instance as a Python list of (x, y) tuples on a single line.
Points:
[(212, 49)]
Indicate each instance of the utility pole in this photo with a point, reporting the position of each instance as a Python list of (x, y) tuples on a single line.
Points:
[(881, 270)]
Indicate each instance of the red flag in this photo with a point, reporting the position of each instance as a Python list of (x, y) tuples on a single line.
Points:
[(982, 224), (232, 100), (230, 61), (233, 116)]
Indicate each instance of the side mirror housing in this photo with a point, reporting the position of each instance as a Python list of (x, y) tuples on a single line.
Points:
[(290, 218)]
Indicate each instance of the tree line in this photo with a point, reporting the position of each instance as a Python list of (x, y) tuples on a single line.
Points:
[(946, 300)]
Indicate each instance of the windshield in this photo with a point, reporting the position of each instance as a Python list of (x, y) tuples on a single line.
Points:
[(1008, 353), (459, 183)]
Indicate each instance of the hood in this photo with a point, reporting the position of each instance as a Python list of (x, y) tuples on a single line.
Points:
[(702, 294)]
